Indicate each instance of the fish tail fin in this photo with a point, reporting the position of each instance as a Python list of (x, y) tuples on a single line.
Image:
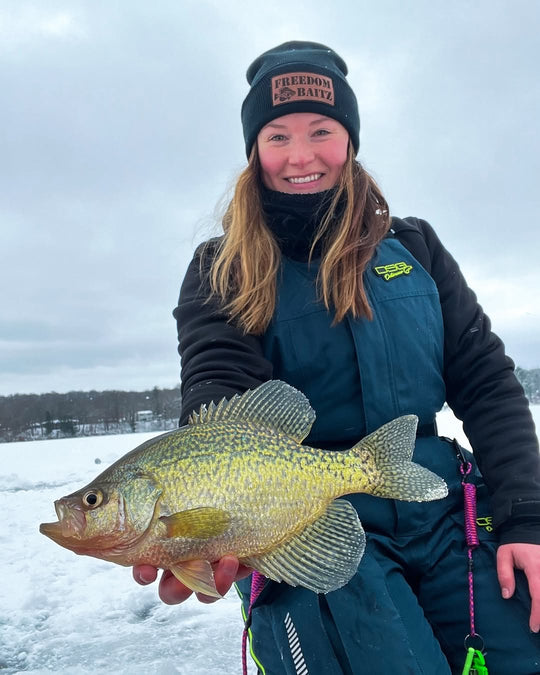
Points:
[(387, 462)]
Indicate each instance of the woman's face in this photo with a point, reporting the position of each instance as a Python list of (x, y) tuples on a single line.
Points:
[(302, 152)]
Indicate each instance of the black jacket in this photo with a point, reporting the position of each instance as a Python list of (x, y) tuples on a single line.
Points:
[(218, 360)]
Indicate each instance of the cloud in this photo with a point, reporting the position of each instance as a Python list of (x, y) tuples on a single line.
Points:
[(123, 132), (23, 23)]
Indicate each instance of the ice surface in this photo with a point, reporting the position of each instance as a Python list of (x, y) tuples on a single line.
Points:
[(60, 612)]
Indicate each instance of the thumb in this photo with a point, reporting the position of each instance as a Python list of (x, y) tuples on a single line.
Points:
[(505, 570)]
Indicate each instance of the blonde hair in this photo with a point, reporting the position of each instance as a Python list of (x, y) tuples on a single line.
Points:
[(244, 267)]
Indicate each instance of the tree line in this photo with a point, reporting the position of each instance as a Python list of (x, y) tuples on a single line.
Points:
[(530, 381), (87, 413), (78, 413)]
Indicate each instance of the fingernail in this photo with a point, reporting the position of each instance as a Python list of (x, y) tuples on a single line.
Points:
[(505, 593), (535, 629), (145, 578)]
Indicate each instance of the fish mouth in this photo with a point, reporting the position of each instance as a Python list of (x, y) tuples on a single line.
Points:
[(59, 534), (69, 530), (68, 536), (71, 523)]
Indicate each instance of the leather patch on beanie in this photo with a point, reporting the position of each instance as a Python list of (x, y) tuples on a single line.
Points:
[(291, 87)]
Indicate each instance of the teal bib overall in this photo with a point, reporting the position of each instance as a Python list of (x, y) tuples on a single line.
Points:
[(406, 610)]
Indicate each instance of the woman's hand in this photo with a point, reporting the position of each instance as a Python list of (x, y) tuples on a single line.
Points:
[(524, 557), (172, 592)]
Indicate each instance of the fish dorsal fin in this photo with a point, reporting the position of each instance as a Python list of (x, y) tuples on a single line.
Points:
[(323, 557), (200, 523), (274, 404)]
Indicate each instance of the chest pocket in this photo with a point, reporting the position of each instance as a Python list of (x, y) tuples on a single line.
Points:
[(400, 352), (359, 374)]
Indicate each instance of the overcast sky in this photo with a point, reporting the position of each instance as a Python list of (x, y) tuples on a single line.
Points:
[(120, 131)]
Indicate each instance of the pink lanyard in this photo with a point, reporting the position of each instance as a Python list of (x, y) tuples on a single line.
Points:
[(257, 584), (474, 662)]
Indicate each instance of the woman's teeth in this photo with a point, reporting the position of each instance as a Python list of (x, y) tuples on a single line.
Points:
[(305, 179)]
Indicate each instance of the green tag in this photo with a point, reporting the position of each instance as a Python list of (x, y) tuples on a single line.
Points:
[(475, 663)]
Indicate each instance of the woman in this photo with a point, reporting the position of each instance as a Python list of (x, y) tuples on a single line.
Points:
[(313, 283)]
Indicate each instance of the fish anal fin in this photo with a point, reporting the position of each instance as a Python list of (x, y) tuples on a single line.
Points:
[(200, 523), (196, 575), (323, 557)]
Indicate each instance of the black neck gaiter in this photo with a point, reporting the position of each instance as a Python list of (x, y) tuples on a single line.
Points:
[(294, 219)]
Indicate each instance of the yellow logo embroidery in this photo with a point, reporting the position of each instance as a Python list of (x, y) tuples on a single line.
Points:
[(486, 522), (392, 270)]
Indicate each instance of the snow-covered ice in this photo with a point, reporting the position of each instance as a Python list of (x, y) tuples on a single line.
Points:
[(60, 612), (73, 614)]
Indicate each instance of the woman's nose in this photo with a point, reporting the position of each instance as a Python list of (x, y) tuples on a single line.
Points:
[(301, 153)]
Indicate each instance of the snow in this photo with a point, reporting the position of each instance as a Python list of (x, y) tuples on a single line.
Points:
[(60, 612)]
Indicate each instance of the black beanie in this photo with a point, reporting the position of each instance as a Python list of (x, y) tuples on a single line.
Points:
[(298, 77)]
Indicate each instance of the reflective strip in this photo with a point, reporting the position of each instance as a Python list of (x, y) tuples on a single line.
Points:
[(294, 646)]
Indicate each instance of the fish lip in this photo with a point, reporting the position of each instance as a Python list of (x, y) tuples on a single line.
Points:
[(56, 532), (51, 530)]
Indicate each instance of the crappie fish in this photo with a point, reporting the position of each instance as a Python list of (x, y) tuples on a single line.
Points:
[(236, 480)]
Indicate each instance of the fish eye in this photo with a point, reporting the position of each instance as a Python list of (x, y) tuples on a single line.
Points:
[(92, 498)]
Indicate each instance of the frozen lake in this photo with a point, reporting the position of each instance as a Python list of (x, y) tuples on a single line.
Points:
[(73, 614)]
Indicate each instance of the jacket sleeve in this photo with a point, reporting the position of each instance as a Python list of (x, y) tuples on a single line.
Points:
[(218, 359), (484, 393)]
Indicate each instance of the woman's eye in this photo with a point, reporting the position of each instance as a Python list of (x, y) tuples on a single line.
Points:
[(321, 132), (277, 137)]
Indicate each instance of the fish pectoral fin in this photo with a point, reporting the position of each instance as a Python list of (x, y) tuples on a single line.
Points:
[(201, 523), (197, 575), (323, 557)]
